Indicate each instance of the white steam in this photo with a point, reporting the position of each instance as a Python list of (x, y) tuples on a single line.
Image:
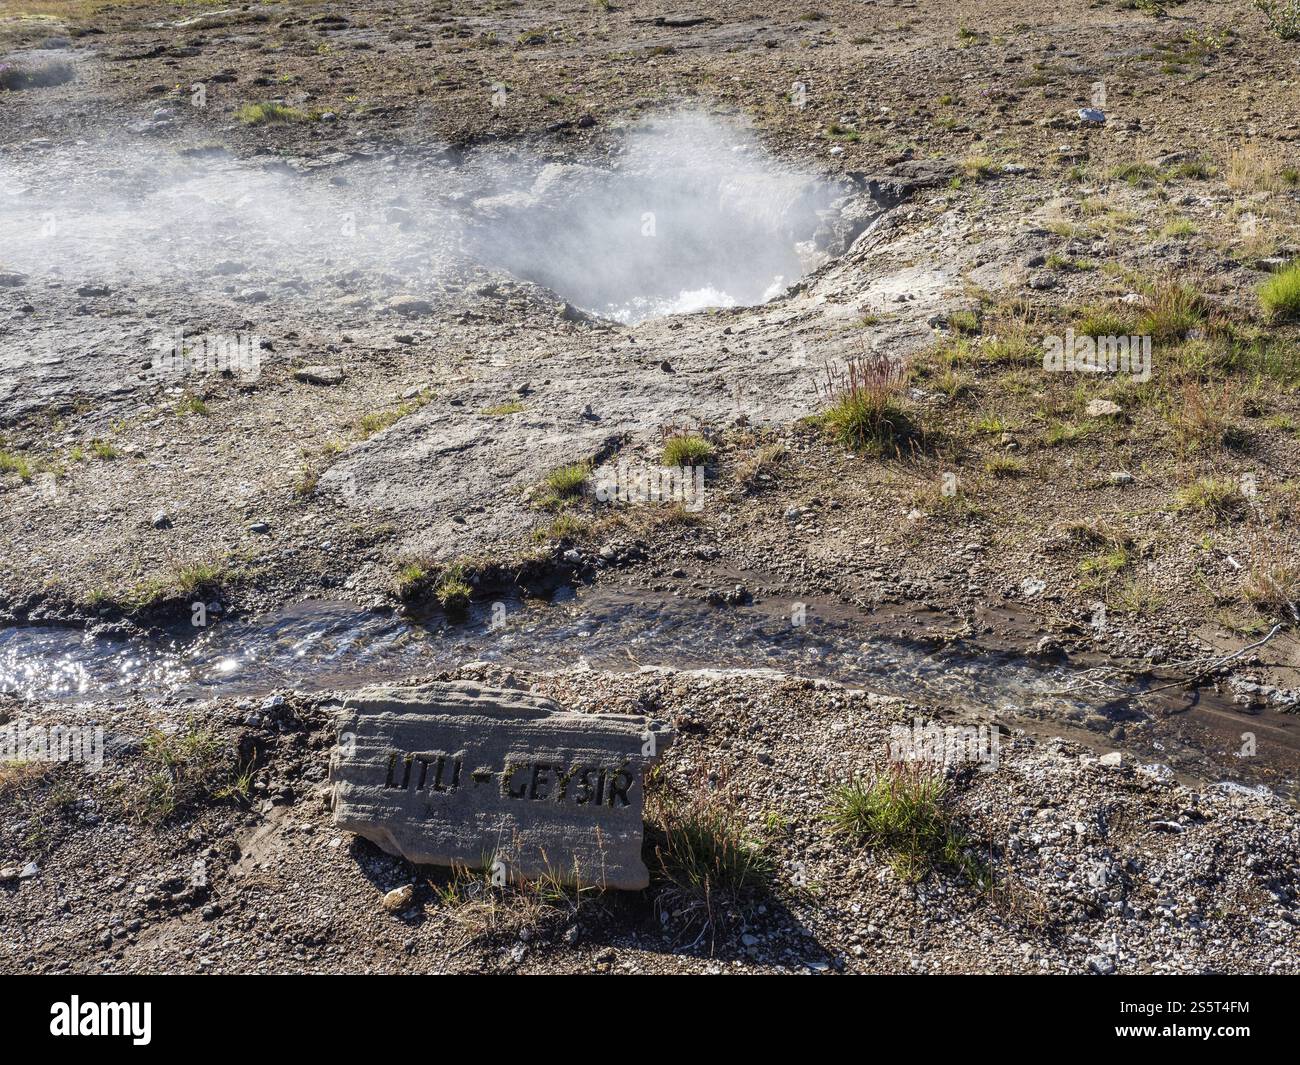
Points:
[(684, 213)]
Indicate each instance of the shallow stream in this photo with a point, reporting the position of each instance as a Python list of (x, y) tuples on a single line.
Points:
[(320, 645)]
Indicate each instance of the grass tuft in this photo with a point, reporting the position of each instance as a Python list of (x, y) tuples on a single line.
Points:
[(1004, 466), (1273, 586), (182, 770), (269, 112), (1218, 498), (703, 851), (866, 411), (12, 462), (687, 450), (1279, 295), (565, 482), (905, 812), (1173, 309), (978, 167)]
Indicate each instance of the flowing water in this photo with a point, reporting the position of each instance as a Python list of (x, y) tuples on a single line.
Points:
[(320, 645)]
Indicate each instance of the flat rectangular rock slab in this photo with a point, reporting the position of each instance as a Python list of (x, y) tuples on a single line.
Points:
[(457, 773)]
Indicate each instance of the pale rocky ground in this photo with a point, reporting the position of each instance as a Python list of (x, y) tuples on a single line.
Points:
[(1101, 868), (279, 489)]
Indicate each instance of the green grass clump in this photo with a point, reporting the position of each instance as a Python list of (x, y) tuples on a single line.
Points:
[(1068, 265), (12, 462), (686, 450), (269, 112), (978, 167), (192, 582), (1103, 322), (904, 811), (1004, 466), (866, 412), (500, 410), (377, 421), (409, 579), (104, 451), (1219, 498), (566, 482), (184, 770), (199, 577), (1193, 169), (991, 423), (1135, 173), (1105, 563), (1179, 228), (451, 587), (1173, 310), (703, 843), (1280, 294), (566, 526), (453, 590), (1065, 433)]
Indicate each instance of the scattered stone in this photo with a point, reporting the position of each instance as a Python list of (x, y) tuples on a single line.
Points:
[(319, 375), (1121, 477), (161, 520), (260, 528), (410, 306), (1111, 761), (1092, 116), (680, 22), (1102, 408), (457, 773), (398, 899)]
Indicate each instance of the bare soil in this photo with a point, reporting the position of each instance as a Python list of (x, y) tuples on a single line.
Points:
[(1155, 533)]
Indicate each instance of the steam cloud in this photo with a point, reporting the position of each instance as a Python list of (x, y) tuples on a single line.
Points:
[(685, 212)]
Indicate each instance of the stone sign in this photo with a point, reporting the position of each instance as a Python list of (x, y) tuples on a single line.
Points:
[(457, 773)]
